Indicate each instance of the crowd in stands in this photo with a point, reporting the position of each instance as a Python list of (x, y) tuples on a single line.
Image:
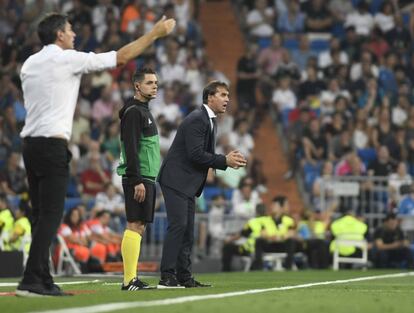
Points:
[(338, 74)]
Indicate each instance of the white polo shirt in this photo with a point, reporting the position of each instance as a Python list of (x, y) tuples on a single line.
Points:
[(50, 82)]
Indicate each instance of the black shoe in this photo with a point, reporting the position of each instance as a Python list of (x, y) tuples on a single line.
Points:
[(169, 283), (53, 288), (136, 284), (39, 290), (192, 283)]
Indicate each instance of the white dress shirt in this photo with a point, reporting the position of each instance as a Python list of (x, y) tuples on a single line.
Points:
[(50, 82), (211, 115)]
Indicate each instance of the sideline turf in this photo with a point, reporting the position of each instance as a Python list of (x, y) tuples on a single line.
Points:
[(383, 295)]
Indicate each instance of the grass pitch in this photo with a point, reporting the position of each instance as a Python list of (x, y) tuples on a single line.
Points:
[(385, 295)]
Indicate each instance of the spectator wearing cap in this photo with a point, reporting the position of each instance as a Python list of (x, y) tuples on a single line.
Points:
[(392, 248)]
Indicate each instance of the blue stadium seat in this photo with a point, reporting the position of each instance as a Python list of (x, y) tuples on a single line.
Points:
[(406, 19), (285, 117), (310, 172), (71, 203), (291, 44), (310, 178), (264, 42), (338, 30), (211, 191), (319, 45), (375, 6), (367, 155)]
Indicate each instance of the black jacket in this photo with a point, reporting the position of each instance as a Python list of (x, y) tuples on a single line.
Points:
[(191, 155)]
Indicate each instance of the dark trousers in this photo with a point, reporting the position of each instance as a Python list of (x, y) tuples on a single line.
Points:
[(47, 166), (178, 243), (391, 258), (317, 251), (288, 246), (230, 250)]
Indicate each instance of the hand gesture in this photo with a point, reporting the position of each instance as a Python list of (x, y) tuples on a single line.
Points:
[(235, 159), (163, 27), (139, 192)]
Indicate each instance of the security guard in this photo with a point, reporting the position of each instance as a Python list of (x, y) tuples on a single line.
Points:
[(251, 231), (278, 235), (6, 221), (22, 230), (351, 228)]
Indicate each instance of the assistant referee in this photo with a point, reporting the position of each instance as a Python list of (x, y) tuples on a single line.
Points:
[(139, 167)]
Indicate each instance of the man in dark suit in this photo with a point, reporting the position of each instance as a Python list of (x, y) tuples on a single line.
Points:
[(182, 178)]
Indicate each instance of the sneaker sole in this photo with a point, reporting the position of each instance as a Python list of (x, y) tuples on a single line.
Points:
[(29, 294), (169, 287), (138, 289)]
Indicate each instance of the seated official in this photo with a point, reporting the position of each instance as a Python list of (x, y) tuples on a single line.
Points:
[(313, 232), (20, 236), (251, 231), (278, 234), (6, 221), (391, 247), (348, 227)]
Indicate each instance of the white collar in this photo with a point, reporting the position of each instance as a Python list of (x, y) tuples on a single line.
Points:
[(210, 112)]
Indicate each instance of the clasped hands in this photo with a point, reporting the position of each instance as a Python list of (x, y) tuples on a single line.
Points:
[(235, 159)]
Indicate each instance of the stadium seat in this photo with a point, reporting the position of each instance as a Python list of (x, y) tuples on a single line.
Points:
[(211, 191), (276, 260), (310, 178), (291, 44), (71, 203), (342, 241), (264, 42), (64, 256), (319, 45), (367, 155)]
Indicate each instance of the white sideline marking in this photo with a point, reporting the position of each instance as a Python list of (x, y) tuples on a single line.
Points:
[(108, 307), (58, 283)]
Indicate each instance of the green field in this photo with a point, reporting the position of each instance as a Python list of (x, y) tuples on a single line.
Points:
[(385, 295)]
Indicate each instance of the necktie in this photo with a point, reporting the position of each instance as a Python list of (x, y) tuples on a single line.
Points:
[(213, 119)]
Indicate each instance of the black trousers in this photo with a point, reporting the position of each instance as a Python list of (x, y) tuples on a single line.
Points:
[(289, 246), (47, 166), (178, 243), (229, 251), (317, 251), (391, 258)]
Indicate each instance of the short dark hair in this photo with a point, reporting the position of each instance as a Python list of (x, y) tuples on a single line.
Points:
[(390, 216), (140, 74), (281, 200), (211, 89), (49, 26)]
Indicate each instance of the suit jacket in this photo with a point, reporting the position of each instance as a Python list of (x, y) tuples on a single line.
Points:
[(191, 155)]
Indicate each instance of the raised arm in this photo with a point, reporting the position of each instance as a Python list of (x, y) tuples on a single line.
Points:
[(130, 51)]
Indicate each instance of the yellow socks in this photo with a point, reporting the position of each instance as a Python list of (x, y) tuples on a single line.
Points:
[(131, 244)]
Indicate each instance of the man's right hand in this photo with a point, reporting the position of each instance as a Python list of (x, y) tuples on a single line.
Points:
[(163, 27), (235, 159), (139, 192)]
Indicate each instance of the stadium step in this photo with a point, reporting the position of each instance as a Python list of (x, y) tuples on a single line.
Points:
[(224, 41), (268, 148)]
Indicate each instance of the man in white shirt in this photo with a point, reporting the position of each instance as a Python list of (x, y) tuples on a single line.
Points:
[(50, 82)]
